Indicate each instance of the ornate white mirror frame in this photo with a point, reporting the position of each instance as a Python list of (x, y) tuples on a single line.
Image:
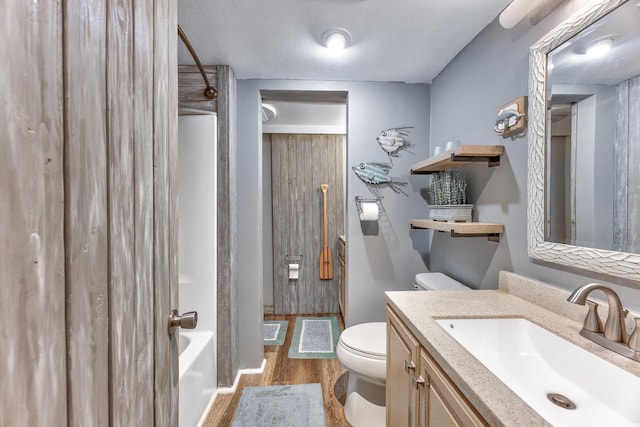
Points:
[(620, 264)]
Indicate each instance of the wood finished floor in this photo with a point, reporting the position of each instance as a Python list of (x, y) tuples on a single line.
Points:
[(280, 370)]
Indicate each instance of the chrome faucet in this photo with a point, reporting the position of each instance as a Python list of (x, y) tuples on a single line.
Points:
[(615, 336)]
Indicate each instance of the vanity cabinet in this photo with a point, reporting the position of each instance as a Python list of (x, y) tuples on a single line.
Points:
[(460, 156), (419, 393), (403, 351)]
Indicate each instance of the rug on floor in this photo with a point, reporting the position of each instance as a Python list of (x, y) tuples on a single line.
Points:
[(314, 338), (274, 331), (280, 406)]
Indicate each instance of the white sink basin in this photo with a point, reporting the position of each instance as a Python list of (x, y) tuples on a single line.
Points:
[(534, 362)]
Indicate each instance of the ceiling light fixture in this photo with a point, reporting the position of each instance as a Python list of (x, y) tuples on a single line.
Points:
[(336, 39), (269, 112)]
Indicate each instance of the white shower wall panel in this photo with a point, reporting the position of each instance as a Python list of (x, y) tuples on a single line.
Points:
[(197, 132), (197, 216)]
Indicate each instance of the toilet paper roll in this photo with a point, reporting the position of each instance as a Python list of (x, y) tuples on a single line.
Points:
[(293, 271), (369, 211)]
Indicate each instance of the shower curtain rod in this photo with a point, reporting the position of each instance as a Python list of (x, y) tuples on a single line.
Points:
[(209, 92)]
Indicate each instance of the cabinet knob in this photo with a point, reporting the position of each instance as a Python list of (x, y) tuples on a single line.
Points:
[(419, 381), (409, 366)]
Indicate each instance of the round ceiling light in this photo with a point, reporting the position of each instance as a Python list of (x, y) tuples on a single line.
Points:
[(336, 39)]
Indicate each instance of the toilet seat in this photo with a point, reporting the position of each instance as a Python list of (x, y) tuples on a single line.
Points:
[(367, 340)]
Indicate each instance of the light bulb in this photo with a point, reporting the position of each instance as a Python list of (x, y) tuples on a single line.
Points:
[(599, 48), (336, 41)]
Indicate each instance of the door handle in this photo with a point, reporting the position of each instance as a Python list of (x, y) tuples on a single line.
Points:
[(186, 321)]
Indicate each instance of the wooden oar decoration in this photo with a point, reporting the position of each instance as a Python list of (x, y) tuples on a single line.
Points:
[(326, 264)]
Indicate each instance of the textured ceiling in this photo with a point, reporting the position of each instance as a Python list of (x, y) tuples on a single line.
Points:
[(393, 40)]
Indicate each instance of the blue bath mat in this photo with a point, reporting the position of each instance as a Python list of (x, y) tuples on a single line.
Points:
[(274, 331), (314, 338), (280, 406)]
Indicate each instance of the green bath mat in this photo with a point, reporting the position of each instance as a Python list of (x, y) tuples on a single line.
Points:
[(274, 331), (314, 338)]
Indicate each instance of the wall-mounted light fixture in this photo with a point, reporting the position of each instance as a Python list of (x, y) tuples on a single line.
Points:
[(516, 11), (269, 112), (336, 39)]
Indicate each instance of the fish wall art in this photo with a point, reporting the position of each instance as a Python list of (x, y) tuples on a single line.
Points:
[(376, 174), (394, 140)]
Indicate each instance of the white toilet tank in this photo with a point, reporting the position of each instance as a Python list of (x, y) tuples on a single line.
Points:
[(437, 282)]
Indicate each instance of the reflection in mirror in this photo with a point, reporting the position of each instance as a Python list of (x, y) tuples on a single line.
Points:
[(584, 142), (593, 135)]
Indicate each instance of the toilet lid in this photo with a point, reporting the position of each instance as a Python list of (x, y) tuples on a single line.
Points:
[(368, 338)]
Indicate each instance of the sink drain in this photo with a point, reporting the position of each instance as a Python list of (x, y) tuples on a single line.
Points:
[(561, 401)]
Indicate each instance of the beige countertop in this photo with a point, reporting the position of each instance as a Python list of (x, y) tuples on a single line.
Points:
[(492, 398)]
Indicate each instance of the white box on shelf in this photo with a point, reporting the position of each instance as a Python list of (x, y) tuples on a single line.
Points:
[(450, 213)]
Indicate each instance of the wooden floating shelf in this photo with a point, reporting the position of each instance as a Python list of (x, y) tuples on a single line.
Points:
[(460, 156), (461, 229)]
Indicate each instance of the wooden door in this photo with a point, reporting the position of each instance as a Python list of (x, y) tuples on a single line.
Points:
[(88, 203), (300, 164), (402, 360), (32, 254)]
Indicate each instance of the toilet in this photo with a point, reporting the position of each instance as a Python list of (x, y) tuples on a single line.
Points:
[(362, 351)]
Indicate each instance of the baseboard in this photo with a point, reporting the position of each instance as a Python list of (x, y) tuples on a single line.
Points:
[(268, 309), (253, 371), (207, 411), (247, 371)]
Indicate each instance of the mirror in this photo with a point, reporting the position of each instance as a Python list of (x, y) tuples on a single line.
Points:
[(584, 141)]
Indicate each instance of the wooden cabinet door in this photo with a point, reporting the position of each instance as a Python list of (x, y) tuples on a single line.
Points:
[(402, 358), (440, 403)]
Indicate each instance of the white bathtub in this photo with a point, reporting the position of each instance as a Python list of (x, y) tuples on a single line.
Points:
[(197, 380)]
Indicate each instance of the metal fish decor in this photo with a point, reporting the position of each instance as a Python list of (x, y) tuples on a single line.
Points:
[(375, 174), (393, 140)]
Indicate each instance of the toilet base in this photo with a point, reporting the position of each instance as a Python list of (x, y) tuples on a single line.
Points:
[(365, 403)]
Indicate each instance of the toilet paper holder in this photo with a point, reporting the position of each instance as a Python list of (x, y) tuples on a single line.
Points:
[(292, 259), (293, 265), (360, 200)]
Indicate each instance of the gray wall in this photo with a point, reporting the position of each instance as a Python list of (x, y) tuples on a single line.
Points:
[(384, 259), (490, 71)]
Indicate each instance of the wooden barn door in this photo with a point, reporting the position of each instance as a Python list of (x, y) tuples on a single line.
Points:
[(300, 164)]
